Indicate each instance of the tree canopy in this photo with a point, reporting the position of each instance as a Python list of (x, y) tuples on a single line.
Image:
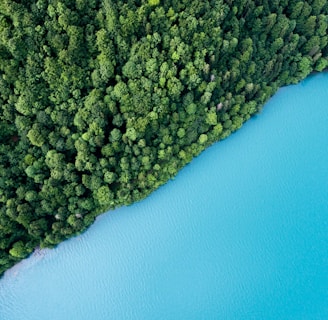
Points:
[(103, 101)]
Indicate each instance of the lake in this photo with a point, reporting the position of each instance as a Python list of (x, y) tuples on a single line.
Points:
[(240, 233)]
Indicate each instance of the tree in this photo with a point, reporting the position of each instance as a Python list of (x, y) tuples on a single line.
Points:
[(18, 250), (36, 135), (104, 196)]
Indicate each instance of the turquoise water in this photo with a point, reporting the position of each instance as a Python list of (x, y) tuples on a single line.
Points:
[(241, 233)]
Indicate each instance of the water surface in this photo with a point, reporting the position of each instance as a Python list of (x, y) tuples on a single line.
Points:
[(241, 233)]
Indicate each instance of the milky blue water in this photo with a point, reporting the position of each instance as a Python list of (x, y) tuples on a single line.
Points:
[(241, 233)]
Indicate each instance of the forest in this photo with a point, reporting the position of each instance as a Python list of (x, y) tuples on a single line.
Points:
[(103, 101)]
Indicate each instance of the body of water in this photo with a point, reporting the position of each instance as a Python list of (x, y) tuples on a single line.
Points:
[(241, 233)]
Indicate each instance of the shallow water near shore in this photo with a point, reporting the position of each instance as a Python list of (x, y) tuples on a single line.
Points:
[(241, 233)]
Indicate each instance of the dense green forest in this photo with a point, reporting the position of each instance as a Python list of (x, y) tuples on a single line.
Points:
[(103, 101)]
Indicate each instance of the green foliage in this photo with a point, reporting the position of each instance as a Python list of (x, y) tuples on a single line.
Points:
[(104, 101), (153, 2), (18, 250)]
